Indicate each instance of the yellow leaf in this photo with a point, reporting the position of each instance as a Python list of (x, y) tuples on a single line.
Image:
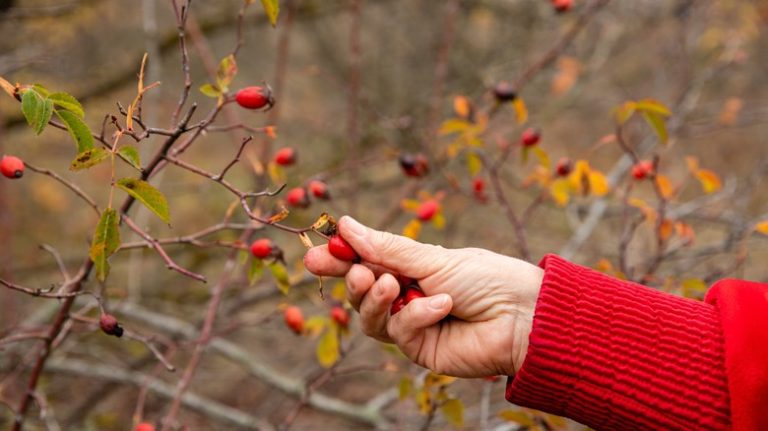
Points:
[(762, 227), (412, 229), (598, 184), (453, 410), (540, 176), (339, 291), (542, 156), (709, 180), (328, 348), (518, 417), (322, 221), (452, 150), (276, 173), (462, 107), (560, 189), (454, 125), (652, 105), (474, 164), (276, 218), (665, 186), (315, 325), (625, 111), (433, 379), (521, 111), (693, 287), (424, 401), (438, 221), (404, 388), (648, 212), (409, 204)]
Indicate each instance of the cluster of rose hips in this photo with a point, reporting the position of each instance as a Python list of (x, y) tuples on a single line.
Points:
[(12, 167)]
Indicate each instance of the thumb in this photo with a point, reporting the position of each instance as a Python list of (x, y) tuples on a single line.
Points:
[(398, 253)]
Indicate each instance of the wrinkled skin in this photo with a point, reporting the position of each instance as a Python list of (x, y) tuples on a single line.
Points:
[(476, 318)]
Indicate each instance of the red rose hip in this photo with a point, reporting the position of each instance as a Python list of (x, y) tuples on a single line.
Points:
[(108, 324), (12, 167), (412, 294), (397, 305), (285, 156), (642, 169), (262, 248), (340, 316), (340, 249), (294, 319), (530, 137), (427, 210), (254, 97), (297, 197), (564, 167), (414, 165), (319, 189), (144, 426)]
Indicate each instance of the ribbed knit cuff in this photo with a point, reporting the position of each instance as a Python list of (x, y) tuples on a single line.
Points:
[(620, 356)]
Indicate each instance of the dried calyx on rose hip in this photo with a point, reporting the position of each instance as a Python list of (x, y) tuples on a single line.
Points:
[(12, 167), (414, 165), (108, 324), (340, 249), (409, 290), (255, 97), (503, 92)]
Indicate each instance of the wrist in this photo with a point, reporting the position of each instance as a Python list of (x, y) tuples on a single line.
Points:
[(527, 281)]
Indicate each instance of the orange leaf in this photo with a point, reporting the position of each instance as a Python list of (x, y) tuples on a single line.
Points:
[(730, 112), (412, 229), (666, 229), (665, 186), (560, 190), (409, 204), (568, 72), (762, 227), (521, 111), (462, 107), (709, 180)]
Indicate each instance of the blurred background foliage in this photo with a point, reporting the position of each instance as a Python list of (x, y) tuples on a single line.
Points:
[(703, 60)]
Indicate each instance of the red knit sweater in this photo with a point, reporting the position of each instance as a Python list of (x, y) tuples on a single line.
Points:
[(620, 356)]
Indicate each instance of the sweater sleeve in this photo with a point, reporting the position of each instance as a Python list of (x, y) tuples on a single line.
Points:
[(616, 355)]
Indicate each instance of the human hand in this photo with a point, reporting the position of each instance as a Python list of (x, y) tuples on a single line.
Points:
[(478, 312)]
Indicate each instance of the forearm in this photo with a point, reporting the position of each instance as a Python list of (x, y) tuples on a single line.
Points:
[(617, 355)]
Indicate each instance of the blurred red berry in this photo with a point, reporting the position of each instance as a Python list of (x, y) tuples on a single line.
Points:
[(297, 197), (144, 426), (642, 169), (285, 156), (262, 248), (254, 97), (530, 137), (503, 92), (427, 210), (340, 249), (12, 167), (294, 319), (319, 189), (340, 316), (108, 324), (564, 167), (412, 294), (397, 305), (562, 5)]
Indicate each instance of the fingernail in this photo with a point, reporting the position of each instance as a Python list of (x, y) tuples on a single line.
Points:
[(438, 302), (354, 227)]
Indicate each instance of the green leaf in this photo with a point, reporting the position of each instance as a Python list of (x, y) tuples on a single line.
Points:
[(453, 410), (89, 158), (36, 109), (281, 276), (272, 8), (210, 90), (68, 102), (227, 70), (41, 90), (131, 155), (657, 124), (151, 197), (77, 128), (256, 271), (328, 348), (106, 240)]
